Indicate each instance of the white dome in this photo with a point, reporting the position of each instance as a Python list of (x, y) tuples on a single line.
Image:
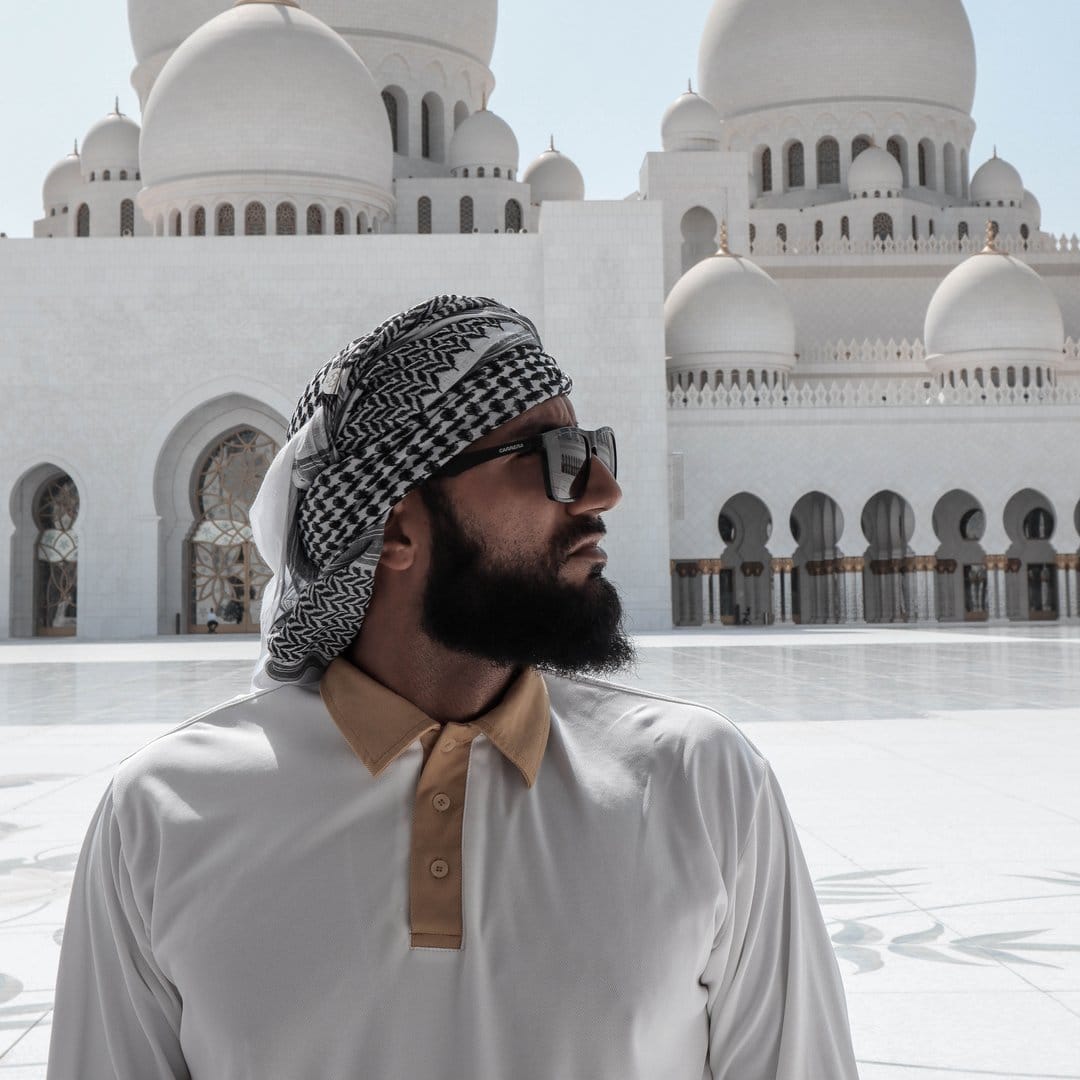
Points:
[(553, 177), (113, 144), (467, 26), (996, 181), (62, 181), (1034, 209), (762, 54), (226, 115), (483, 140), (875, 170), (727, 312), (993, 309), (691, 123)]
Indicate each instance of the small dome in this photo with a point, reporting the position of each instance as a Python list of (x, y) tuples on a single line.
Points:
[(1034, 209), (483, 140), (875, 171), (691, 123), (62, 181), (726, 312), (993, 309), (225, 116), (113, 144), (996, 182), (553, 177)]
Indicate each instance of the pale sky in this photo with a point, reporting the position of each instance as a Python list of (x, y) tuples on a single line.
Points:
[(596, 73)]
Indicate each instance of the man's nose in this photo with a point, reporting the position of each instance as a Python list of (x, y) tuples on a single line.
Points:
[(602, 492)]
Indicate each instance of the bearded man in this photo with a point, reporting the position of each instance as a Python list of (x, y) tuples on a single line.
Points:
[(427, 845)]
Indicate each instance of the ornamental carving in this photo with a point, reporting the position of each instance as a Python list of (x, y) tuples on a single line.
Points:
[(752, 569)]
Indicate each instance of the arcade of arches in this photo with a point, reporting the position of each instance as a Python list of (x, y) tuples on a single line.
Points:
[(839, 575)]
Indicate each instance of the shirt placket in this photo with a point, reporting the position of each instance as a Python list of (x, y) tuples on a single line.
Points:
[(435, 875)]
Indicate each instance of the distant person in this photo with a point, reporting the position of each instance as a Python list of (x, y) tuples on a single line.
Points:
[(429, 844), (212, 621)]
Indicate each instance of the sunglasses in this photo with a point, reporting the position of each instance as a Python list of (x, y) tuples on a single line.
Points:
[(566, 452)]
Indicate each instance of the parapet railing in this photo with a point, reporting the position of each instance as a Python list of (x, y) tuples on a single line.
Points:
[(805, 244)]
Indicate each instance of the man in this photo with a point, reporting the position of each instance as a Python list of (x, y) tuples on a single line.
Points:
[(410, 853)]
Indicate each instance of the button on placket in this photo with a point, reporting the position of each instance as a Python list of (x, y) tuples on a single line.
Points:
[(440, 868), (441, 802)]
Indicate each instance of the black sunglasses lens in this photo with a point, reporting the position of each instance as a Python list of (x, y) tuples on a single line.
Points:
[(568, 453), (605, 449)]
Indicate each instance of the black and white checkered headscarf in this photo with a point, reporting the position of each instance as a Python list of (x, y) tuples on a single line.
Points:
[(375, 422)]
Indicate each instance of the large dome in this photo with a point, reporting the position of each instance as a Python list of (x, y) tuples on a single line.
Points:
[(467, 26), (766, 54), (113, 144), (727, 313), (222, 118), (993, 309)]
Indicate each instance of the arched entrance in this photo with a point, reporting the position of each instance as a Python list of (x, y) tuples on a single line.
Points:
[(225, 574), (742, 585), (817, 581), (56, 557), (1031, 572), (699, 236), (962, 584), (888, 523)]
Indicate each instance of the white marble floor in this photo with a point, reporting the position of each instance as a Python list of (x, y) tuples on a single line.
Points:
[(934, 775)]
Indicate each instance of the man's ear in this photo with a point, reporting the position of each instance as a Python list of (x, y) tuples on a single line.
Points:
[(401, 533)]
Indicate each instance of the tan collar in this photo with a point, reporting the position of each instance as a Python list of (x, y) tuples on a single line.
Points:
[(380, 725)]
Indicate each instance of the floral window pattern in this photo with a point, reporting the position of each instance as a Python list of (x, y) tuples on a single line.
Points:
[(255, 219), (513, 216), (423, 215), (227, 575), (795, 169), (82, 221), (286, 219), (828, 162), (198, 222), (56, 508), (314, 221), (339, 222), (466, 214), (882, 227), (226, 220), (127, 218)]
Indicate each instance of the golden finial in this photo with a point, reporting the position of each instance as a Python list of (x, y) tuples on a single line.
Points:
[(723, 249), (992, 231)]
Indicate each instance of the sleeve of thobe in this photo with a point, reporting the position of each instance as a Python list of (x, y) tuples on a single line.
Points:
[(776, 1003), (116, 1017)]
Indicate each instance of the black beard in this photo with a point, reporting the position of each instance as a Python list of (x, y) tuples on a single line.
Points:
[(518, 616)]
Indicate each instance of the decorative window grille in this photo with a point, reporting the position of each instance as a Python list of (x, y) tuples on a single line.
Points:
[(498, 172), (465, 215), (339, 222), (828, 162), (55, 510), (198, 222), (480, 172), (845, 228), (255, 219), (425, 129), (226, 573), (392, 113), (923, 166), (513, 216), (127, 218), (962, 230), (423, 215), (106, 175), (859, 144), (781, 235), (123, 174), (795, 166), (226, 220), (766, 170), (82, 221), (882, 227), (314, 221), (286, 219)]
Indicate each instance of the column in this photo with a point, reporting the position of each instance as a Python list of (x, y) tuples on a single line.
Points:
[(995, 596), (1068, 573), (900, 612), (781, 590), (927, 570), (848, 580), (859, 606), (839, 583), (1073, 587)]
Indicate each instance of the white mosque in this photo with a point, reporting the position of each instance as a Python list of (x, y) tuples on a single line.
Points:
[(843, 365)]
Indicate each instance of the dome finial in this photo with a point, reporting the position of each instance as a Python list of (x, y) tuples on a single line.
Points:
[(483, 101), (992, 231), (116, 106), (723, 249), (689, 86), (995, 149), (551, 144), (76, 150)]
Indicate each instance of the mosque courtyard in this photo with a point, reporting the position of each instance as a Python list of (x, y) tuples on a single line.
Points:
[(934, 775)]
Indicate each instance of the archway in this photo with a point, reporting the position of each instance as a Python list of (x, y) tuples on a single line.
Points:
[(1031, 572), (178, 473), (226, 575), (817, 581), (888, 523), (699, 236), (741, 590), (961, 581), (44, 548)]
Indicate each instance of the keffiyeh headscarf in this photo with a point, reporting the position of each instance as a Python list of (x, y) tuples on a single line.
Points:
[(375, 422)]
